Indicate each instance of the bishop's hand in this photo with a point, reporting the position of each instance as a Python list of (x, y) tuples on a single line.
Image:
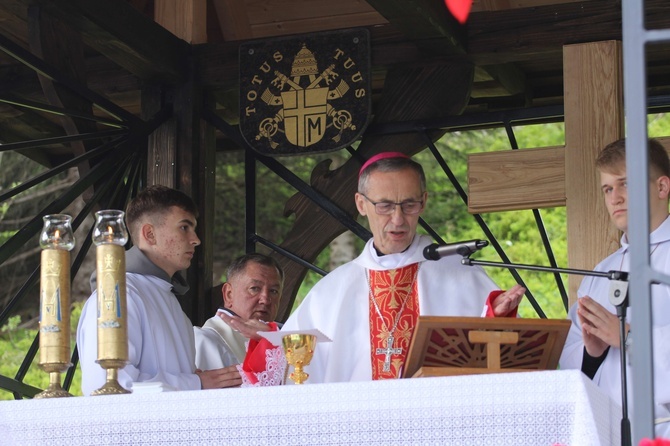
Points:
[(507, 301)]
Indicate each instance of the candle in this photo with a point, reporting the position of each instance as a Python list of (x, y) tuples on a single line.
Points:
[(56, 241), (112, 328), (110, 236)]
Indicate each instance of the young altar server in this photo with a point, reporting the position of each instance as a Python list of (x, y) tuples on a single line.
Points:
[(161, 347), (593, 343)]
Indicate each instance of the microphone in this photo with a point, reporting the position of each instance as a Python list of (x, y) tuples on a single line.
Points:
[(437, 251)]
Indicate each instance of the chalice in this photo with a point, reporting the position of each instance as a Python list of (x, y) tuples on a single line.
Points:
[(299, 349)]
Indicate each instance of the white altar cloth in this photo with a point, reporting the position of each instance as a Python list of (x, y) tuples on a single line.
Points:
[(532, 408)]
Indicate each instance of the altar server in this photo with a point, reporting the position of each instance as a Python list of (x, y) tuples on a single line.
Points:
[(593, 343), (161, 349)]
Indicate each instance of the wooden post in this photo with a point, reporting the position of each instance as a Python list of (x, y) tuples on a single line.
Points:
[(162, 143), (233, 19), (181, 155), (181, 151), (594, 117), (186, 19)]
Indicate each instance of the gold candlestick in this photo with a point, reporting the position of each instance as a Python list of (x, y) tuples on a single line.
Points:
[(299, 349), (56, 240), (110, 235)]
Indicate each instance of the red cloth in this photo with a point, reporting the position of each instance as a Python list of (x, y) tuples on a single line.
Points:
[(655, 442), (254, 360)]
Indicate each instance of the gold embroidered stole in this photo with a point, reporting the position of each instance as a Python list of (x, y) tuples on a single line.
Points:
[(392, 319)]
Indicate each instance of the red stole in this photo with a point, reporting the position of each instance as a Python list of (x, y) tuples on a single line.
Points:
[(395, 292)]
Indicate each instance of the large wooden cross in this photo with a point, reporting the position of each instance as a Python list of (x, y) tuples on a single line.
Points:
[(565, 176)]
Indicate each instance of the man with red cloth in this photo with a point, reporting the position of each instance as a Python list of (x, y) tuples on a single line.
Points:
[(251, 296), (369, 306)]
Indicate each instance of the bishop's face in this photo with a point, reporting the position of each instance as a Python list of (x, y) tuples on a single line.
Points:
[(394, 232)]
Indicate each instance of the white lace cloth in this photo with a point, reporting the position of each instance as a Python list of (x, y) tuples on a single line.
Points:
[(273, 375), (533, 408)]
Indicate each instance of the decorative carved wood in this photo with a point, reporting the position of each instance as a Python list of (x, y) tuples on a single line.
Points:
[(443, 344)]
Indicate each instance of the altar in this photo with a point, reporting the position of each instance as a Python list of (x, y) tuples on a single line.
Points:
[(530, 408)]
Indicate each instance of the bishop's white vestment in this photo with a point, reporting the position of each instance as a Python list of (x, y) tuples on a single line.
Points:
[(339, 305)]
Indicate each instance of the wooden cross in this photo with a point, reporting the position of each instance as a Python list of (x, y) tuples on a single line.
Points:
[(564, 176), (388, 351)]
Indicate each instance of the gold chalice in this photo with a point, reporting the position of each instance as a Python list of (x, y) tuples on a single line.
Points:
[(299, 349)]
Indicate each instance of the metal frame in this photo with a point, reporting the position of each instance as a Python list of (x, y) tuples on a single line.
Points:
[(113, 184), (635, 40)]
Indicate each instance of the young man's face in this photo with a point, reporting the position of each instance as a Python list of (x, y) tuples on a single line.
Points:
[(174, 240), (255, 293), (614, 187), (394, 232)]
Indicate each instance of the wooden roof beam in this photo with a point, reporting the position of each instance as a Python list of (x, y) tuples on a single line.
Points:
[(434, 31), (521, 34), (186, 19), (425, 22), (498, 80), (124, 35), (233, 19)]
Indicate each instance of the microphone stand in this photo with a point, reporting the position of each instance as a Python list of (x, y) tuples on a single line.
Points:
[(618, 296)]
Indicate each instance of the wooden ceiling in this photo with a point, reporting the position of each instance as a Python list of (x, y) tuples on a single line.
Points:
[(516, 46)]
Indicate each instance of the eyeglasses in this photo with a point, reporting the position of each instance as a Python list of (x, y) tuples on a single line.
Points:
[(409, 207)]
